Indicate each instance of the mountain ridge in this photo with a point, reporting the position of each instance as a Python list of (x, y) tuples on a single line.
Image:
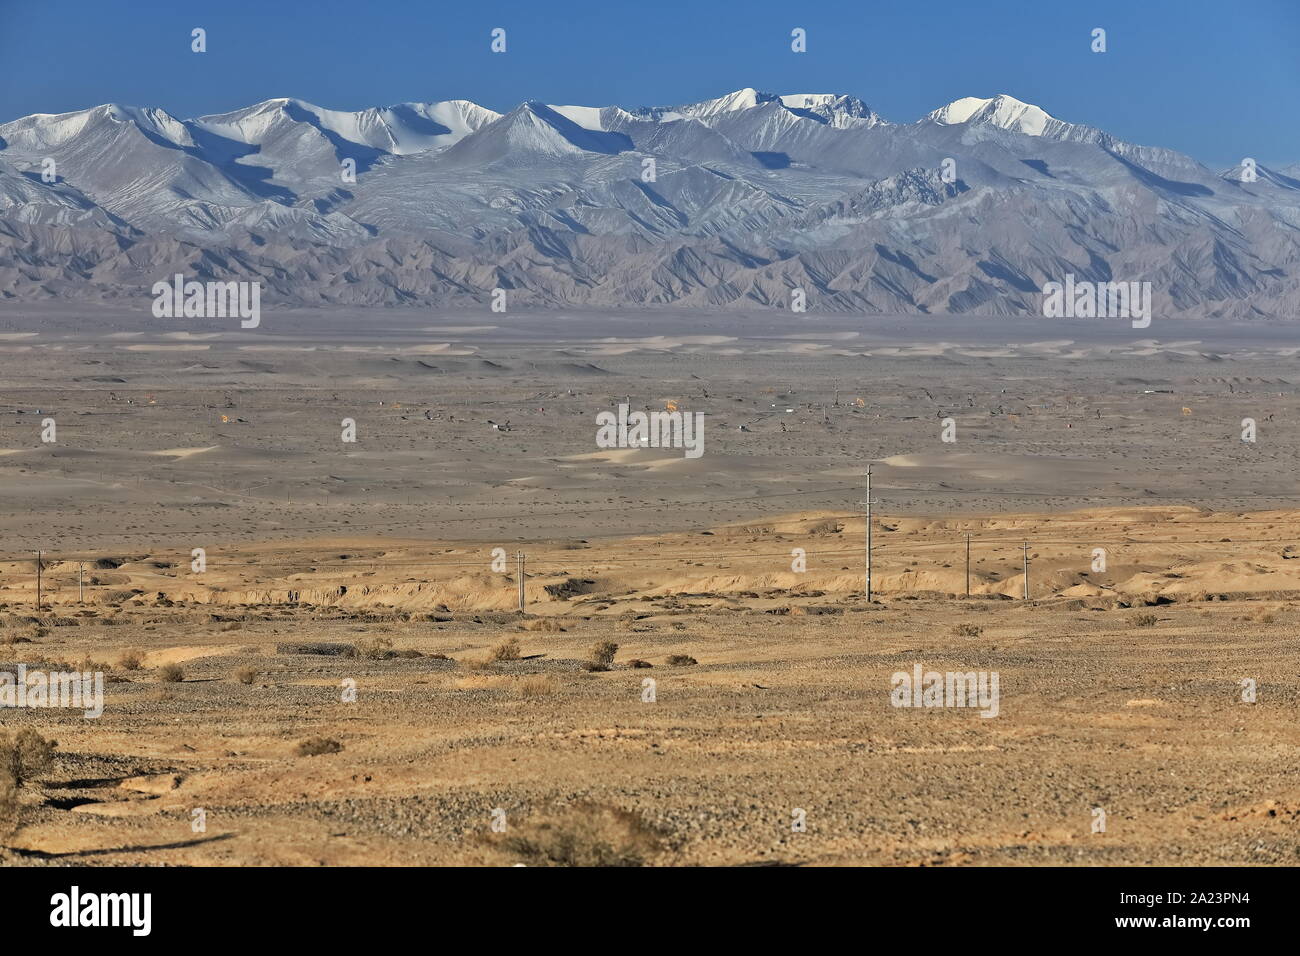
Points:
[(731, 202)]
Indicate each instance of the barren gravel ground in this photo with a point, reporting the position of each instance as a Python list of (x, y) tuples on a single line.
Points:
[(788, 707), (1120, 688)]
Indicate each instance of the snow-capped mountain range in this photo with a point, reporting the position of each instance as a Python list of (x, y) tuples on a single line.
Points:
[(728, 203)]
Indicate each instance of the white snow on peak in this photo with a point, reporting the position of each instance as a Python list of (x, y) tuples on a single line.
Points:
[(402, 129), (745, 99), (806, 101), (52, 130), (1002, 111), (588, 117)]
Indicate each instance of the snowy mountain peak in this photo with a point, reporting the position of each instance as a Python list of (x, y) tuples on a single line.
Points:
[(745, 99), (836, 108), (399, 130), (450, 200), (1005, 112)]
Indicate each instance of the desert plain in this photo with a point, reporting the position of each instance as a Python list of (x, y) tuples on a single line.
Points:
[(349, 679)]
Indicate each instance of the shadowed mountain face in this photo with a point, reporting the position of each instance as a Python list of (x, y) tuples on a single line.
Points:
[(730, 203)]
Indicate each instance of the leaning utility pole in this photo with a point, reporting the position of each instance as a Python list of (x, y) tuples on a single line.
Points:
[(1026, 570), (38, 582), (81, 582), (519, 563)]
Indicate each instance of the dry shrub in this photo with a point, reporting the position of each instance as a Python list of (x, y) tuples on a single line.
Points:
[(24, 755), (681, 660), (9, 806), (637, 662), (536, 685), (131, 661), (586, 835), (375, 649), (1145, 620), (171, 673), (594, 667), (602, 653), (967, 630), (315, 746), (507, 650), (246, 675), (25, 634), (542, 624)]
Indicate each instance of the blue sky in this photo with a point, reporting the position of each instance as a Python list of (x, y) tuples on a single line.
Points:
[(1213, 79)]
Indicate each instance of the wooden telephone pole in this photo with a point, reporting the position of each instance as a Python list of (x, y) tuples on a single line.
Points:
[(968, 565), (519, 562), (868, 503), (1026, 570)]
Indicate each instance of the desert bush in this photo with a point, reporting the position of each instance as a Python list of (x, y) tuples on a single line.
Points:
[(594, 667), (246, 675), (315, 746), (541, 624), (507, 650), (375, 649), (171, 673), (602, 653), (1145, 620), (967, 630), (585, 835), (23, 634), (130, 661), (9, 806), (24, 755), (637, 662), (537, 685), (681, 660)]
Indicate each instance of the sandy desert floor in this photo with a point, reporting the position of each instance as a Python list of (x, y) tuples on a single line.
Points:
[(331, 565)]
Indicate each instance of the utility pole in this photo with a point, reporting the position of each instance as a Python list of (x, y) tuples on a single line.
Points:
[(81, 582), (868, 503), (968, 564), (519, 562), (38, 582), (1026, 570)]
